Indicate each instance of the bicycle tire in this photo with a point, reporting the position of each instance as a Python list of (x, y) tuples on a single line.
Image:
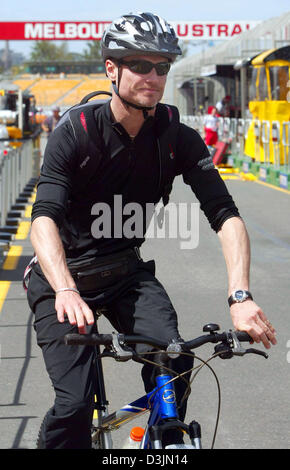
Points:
[(39, 441), (97, 444)]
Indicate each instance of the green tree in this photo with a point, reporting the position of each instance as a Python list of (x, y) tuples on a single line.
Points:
[(93, 51), (17, 69), (43, 51), (62, 52)]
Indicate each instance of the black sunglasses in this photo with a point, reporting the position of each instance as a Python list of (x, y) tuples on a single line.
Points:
[(144, 66)]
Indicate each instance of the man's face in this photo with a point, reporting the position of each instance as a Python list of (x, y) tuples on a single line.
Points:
[(142, 89)]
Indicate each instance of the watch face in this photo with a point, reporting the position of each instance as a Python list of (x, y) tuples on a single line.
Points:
[(239, 295)]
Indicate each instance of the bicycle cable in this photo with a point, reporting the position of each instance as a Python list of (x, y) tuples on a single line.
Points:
[(188, 389)]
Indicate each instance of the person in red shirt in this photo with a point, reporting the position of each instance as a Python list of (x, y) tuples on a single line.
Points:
[(211, 127)]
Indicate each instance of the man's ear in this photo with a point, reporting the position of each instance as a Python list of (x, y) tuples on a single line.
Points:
[(111, 70)]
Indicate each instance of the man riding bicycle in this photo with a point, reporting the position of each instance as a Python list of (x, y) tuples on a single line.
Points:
[(78, 272)]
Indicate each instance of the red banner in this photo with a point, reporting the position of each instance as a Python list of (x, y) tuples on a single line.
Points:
[(92, 30), (53, 30), (211, 30)]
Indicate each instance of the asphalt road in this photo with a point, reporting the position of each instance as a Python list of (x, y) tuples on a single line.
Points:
[(255, 392)]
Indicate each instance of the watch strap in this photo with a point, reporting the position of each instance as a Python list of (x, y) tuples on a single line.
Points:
[(247, 295)]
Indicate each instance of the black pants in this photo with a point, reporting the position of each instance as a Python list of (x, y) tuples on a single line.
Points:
[(138, 304)]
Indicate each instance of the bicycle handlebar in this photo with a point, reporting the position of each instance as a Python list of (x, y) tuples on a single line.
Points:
[(76, 339), (216, 338), (106, 340), (229, 343)]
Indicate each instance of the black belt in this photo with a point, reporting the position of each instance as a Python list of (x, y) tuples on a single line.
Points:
[(104, 271)]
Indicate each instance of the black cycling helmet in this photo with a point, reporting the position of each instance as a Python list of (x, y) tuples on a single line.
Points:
[(141, 33)]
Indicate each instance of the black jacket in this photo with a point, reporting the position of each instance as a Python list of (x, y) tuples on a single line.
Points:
[(129, 169)]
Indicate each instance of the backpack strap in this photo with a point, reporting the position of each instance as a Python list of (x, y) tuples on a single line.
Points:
[(88, 140), (167, 143)]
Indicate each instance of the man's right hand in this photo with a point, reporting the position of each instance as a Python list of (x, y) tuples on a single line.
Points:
[(70, 304), (49, 249)]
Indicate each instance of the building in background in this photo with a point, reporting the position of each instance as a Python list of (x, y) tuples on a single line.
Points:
[(203, 79)]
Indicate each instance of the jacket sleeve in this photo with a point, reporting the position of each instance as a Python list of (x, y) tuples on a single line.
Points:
[(55, 183), (198, 171)]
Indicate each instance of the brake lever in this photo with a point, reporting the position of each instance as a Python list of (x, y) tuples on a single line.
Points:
[(106, 353), (235, 345), (238, 350), (118, 347), (256, 351)]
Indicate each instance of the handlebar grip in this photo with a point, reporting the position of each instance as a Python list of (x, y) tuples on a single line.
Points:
[(75, 339), (243, 336)]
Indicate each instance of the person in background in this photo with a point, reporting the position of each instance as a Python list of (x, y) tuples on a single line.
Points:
[(211, 127), (223, 106), (51, 121)]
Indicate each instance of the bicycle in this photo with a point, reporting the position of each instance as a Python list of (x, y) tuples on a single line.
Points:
[(160, 402)]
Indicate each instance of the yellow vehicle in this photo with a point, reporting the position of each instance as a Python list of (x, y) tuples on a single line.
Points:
[(268, 92)]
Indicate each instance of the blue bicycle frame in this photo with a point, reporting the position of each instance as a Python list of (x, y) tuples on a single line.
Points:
[(161, 402), (164, 404)]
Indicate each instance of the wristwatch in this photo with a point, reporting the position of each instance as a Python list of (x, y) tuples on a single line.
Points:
[(239, 296)]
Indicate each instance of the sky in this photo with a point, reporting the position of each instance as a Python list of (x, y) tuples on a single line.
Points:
[(171, 10)]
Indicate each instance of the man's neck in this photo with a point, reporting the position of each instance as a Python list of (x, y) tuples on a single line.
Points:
[(131, 119)]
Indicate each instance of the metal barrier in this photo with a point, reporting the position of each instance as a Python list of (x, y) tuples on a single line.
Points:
[(271, 139), (275, 133), (42, 145), (241, 136), (17, 167), (266, 141), (220, 130), (286, 144), (257, 134), (248, 123), (196, 122), (233, 138), (226, 129)]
